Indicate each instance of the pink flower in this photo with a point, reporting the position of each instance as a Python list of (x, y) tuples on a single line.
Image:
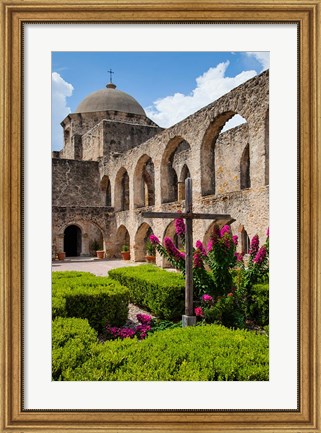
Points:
[(210, 245), (144, 319), (239, 256), (154, 239), (260, 256), (172, 250), (230, 294), (254, 247), (199, 312), (235, 239), (225, 229), (207, 298), (180, 226), (200, 246), (197, 259)]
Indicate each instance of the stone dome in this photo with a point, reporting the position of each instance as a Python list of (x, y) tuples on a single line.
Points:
[(110, 99)]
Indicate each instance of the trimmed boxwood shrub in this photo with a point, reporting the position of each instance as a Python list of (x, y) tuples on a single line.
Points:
[(259, 306), (160, 291), (72, 341), (57, 275), (201, 353), (98, 299)]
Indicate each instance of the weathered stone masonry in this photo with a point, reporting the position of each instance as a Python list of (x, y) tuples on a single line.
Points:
[(120, 164)]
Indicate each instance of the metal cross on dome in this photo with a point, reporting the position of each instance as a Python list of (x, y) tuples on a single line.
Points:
[(111, 73), (188, 319)]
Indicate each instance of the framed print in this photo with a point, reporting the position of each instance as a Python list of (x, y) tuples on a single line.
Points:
[(279, 97)]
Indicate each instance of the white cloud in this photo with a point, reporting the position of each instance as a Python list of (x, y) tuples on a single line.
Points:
[(60, 90), (210, 86), (263, 57)]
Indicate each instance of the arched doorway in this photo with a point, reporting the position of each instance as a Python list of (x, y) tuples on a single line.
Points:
[(142, 236), (121, 199), (177, 151), (122, 239), (215, 153), (72, 241), (144, 180)]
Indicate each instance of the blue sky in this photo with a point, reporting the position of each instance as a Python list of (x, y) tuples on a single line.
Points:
[(168, 85)]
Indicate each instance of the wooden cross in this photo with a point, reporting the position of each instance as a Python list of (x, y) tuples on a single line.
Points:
[(189, 319)]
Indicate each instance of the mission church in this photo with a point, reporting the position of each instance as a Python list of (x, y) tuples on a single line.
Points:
[(116, 163)]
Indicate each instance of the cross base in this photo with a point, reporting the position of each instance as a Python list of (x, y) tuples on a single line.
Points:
[(188, 321)]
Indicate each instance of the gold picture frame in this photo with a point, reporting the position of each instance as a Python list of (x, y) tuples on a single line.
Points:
[(14, 13)]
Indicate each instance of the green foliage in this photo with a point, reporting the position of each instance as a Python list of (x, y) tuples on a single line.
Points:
[(72, 340), (221, 258), (160, 291), (150, 248), (70, 274), (98, 299), (225, 311), (201, 353), (259, 305), (95, 245)]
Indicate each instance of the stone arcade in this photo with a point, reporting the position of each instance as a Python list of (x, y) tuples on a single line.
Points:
[(116, 163)]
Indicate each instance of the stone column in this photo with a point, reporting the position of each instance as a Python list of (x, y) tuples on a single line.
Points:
[(181, 191)]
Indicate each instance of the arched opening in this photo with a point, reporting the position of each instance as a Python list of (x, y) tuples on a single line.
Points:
[(142, 235), (267, 149), (122, 239), (121, 190), (175, 155), (245, 242), (221, 143), (181, 184), (210, 230), (144, 183), (105, 189), (72, 241), (245, 180)]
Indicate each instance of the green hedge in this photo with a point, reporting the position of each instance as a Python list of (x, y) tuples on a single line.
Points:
[(201, 353), (98, 299), (259, 306), (72, 341), (159, 291), (57, 275)]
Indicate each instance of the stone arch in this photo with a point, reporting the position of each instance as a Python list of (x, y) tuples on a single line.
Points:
[(121, 198), (95, 237), (208, 150), (105, 188), (144, 182), (72, 240), (185, 173), (141, 237), (245, 178), (176, 150), (267, 148), (122, 238)]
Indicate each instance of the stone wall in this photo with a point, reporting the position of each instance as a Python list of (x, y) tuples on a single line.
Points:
[(75, 183), (82, 123), (95, 223)]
